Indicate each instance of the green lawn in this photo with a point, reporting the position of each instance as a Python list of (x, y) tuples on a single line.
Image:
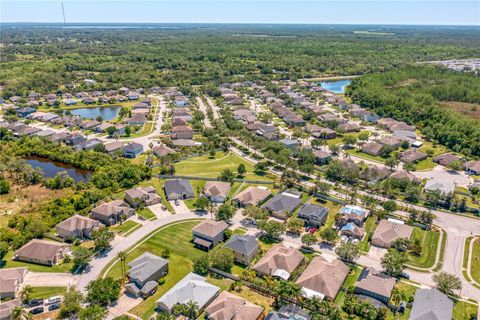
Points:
[(204, 166), (177, 239), (475, 266), (350, 281), (64, 267), (437, 149), (464, 310), (47, 292), (358, 153), (146, 213), (425, 165), (125, 228), (409, 291), (369, 228), (429, 240)]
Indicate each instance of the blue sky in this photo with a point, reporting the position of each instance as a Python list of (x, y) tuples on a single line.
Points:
[(424, 12)]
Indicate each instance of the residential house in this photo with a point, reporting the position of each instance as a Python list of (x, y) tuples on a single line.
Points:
[(351, 230), (443, 186), (132, 150), (178, 189), (24, 112), (70, 102), (143, 274), (412, 155), (77, 227), (89, 144), (44, 133), (390, 230), (348, 127), (323, 278), (372, 148), (208, 233), (445, 159), (11, 280), (162, 151), (312, 215), (431, 304), (251, 196), (355, 214), (44, 252), (58, 137), (322, 157), (216, 191), (404, 175), (110, 213), (228, 306), (7, 307), (279, 261), (182, 132), (133, 96), (146, 195), (192, 288), (374, 284), (282, 205), (74, 139), (472, 167), (114, 146), (244, 247), (289, 312), (325, 133), (391, 141)]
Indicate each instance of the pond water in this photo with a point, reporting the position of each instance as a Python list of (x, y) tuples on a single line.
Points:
[(337, 86), (107, 113), (51, 168)]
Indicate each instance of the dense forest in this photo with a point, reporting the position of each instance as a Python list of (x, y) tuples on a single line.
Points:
[(414, 94), (50, 58)]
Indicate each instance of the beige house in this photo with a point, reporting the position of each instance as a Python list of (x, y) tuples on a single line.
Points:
[(228, 306), (42, 252), (375, 284), (10, 281), (147, 195), (323, 278), (279, 261), (208, 233), (77, 227), (251, 196), (110, 213), (388, 231), (216, 191)]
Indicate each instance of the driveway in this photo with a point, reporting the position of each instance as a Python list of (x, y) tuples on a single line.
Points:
[(124, 304), (49, 279), (181, 208), (461, 179), (158, 211)]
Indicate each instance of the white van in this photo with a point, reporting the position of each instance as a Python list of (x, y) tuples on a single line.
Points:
[(53, 300)]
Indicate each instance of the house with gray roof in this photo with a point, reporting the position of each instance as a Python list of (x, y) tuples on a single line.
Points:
[(44, 252), (178, 189), (288, 312), (282, 205), (11, 280), (376, 285), (441, 185), (431, 304), (144, 273), (313, 216), (244, 247), (192, 288)]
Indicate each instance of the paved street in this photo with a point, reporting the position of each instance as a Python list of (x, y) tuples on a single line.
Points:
[(203, 108)]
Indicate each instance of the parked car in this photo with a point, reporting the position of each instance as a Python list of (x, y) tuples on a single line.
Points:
[(312, 230), (404, 275), (37, 310), (177, 203), (34, 303), (52, 300), (54, 306)]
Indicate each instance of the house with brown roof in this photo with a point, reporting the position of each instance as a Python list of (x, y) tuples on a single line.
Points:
[(445, 159), (404, 175), (388, 231), (146, 195), (6, 308), (323, 278), (44, 252), (325, 133), (77, 227), (391, 141), (162, 151), (351, 230), (251, 196), (355, 214), (412, 155), (322, 157), (114, 146), (372, 148), (374, 284), (279, 261), (11, 280), (182, 132), (110, 213), (216, 191), (208, 233), (472, 167), (348, 127), (228, 306)]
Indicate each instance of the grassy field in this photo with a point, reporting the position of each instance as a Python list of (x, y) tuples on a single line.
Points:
[(176, 238), (9, 263), (464, 310), (369, 228), (475, 266), (125, 228), (469, 110), (429, 240), (47, 292), (205, 166)]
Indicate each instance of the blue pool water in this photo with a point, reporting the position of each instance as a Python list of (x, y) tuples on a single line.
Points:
[(337, 86)]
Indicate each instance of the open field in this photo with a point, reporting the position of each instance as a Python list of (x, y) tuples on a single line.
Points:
[(470, 110), (429, 240)]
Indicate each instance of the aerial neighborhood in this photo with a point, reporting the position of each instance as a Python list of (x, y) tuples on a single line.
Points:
[(269, 193)]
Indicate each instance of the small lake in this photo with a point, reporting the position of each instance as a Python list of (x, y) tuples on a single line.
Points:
[(51, 168), (337, 86), (107, 113)]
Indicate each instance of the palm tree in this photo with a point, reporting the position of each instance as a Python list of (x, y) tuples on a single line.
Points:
[(288, 290), (212, 209), (122, 256), (25, 293), (192, 309), (17, 313)]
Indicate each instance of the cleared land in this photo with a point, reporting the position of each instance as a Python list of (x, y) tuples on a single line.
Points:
[(470, 110)]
